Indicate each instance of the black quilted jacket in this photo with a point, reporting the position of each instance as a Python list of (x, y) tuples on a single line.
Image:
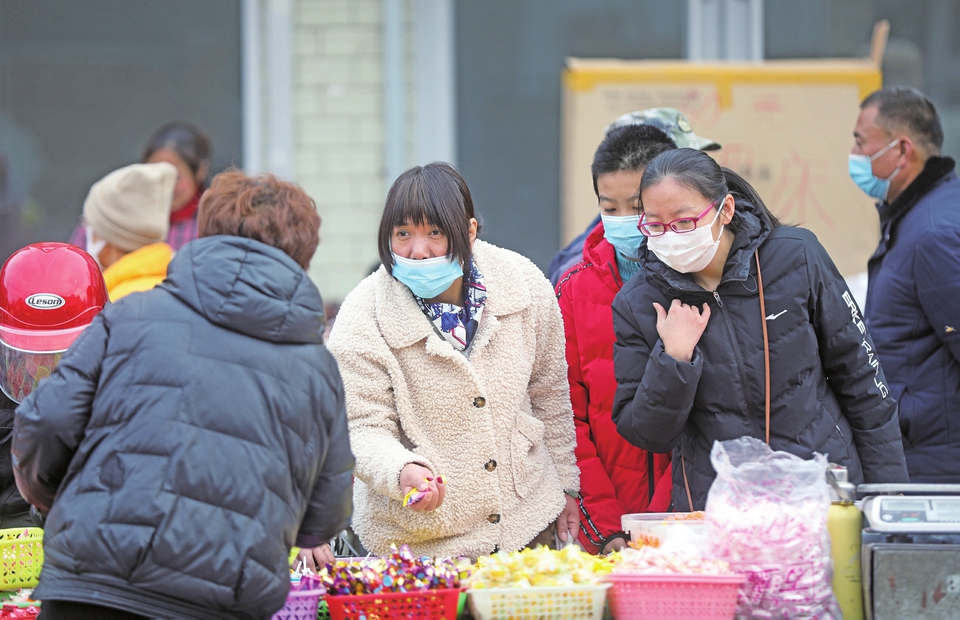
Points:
[(14, 510), (188, 438), (828, 393)]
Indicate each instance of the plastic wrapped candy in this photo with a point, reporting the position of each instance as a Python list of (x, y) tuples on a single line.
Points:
[(767, 517), (305, 583), (655, 561), (540, 567), (398, 572), (680, 552), (19, 610), (413, 496), (642, 540)]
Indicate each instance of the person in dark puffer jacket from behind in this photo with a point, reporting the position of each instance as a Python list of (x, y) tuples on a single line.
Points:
[(195, 432)]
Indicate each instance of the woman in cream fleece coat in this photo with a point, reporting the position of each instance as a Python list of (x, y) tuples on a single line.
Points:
[(478, 399)]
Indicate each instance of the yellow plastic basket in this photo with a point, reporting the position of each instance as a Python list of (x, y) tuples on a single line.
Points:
[(540, 603), (21, 557)]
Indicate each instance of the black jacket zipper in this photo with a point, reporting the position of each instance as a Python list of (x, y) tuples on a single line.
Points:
[(735, 346)]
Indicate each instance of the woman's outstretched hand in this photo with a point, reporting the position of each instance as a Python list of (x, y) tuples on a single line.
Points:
[(414, 476), (568, 523), (681, 328), (317, 557)]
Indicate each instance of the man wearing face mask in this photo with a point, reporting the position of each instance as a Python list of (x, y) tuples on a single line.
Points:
[(127, 216), (913, 296), (617, 478)]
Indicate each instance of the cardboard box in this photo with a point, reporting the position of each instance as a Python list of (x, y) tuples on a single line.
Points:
[(785, 126)]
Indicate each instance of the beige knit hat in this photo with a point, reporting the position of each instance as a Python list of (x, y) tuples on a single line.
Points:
[(130, 207)]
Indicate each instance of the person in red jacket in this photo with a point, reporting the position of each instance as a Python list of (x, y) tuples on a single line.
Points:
[(616, 478)]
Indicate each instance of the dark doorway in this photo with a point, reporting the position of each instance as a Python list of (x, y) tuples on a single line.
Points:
[(83, 85)]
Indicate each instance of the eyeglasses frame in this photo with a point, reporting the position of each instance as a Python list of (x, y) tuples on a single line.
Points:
[(641, 223)]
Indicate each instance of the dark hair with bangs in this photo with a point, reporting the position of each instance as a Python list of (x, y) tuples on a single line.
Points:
[(630, 147), (436, 195)]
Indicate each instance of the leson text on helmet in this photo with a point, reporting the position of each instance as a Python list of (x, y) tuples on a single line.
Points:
[(44, 301)]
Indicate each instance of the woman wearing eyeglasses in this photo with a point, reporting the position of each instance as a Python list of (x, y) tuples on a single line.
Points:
[(616, 477), (742, 326)]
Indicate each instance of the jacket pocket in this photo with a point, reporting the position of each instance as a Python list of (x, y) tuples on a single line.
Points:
[(845, 443), (526, 453)]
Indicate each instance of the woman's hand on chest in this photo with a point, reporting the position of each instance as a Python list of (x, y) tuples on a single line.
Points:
[(680, 328)]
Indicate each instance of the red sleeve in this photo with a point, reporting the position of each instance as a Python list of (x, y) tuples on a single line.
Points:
[(663, 487), (600, 510)]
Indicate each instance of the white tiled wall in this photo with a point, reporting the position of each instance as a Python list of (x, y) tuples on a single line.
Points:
[(338, 113)]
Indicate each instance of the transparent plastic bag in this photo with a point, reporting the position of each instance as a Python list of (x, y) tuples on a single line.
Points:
[(767, 516)]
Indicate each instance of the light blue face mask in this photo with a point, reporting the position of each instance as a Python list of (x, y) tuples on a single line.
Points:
[(861, 171), (429, 277), (622, 233)]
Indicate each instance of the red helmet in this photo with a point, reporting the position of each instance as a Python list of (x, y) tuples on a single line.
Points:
[(49, 292)]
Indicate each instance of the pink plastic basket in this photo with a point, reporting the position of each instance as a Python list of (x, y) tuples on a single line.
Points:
[(301, 604), (674, 597)]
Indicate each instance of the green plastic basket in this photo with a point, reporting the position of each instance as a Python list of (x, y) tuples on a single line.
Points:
[(21, 557)]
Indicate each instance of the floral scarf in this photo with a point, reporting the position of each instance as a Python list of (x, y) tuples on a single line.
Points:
[(459, 325)]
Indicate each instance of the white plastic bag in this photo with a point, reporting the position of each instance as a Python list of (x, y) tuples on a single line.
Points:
[(767, 516)]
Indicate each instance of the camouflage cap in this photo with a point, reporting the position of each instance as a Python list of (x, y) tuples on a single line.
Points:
[(671, 121)]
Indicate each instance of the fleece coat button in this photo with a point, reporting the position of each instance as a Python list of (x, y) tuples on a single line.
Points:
[(479, 402), (494, 518), (491, 465)]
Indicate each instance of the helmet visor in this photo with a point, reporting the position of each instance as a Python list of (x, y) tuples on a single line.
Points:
[(40, 340), (21, 371)]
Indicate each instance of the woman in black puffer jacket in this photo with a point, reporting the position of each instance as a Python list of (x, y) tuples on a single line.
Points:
[(194, 432), (689, 355)]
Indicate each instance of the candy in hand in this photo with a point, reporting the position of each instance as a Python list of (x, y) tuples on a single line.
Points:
[(413, 496)]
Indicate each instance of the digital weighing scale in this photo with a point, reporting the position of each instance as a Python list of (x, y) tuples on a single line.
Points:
[(911, 551)]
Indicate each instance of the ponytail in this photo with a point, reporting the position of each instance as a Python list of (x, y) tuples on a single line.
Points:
[(700, 172), (738, 186)]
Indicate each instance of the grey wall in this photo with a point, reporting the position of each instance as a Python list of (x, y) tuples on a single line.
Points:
[(83, 85), (510, 55), (922, 51), (509, 58)]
